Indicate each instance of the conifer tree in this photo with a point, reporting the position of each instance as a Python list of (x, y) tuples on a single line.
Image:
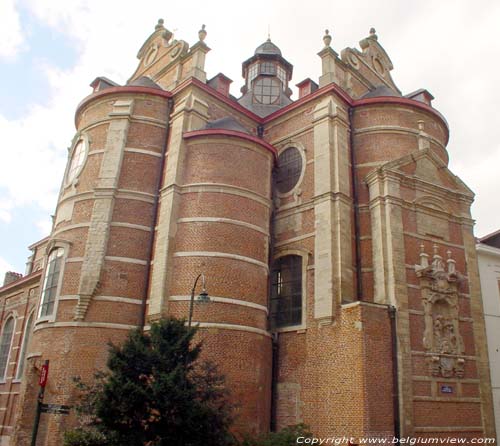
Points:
[(157, 393)]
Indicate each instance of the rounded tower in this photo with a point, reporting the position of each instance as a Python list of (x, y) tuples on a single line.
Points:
[(97, 260), (222, 231)]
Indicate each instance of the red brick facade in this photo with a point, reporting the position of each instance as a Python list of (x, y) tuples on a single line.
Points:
[(180, 179)]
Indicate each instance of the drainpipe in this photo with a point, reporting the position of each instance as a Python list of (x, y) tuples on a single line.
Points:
[(275, 336), (159, 185), (357, 244), (395, 379)]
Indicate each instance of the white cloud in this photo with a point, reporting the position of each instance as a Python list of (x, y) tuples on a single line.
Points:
[(447, 47), (11, 37)]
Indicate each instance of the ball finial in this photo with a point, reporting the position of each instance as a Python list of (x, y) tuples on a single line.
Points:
[(159, 24)]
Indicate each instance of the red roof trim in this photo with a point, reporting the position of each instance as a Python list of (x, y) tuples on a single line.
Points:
[(21, 281), (403, 101), (299, 102), (234, 133), (213, 92), (122, 90)]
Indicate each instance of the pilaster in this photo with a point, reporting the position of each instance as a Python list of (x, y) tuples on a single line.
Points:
[(477, 313), (104, 197), (333, 208), (390, 277), (189, 114)]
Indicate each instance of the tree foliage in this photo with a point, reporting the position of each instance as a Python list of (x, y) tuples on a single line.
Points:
[(285, 437), (155, 393)]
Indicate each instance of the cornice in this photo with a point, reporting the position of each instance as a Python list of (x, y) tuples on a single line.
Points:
[(127, 89), (233, 133), (22, 281)]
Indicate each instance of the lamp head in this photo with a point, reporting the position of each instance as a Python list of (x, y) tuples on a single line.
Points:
[(203, 297)]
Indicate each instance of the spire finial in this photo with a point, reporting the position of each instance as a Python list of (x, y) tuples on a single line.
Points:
[(159, 25), (327, 38), (202, 33), (373, 34), (268, 33)]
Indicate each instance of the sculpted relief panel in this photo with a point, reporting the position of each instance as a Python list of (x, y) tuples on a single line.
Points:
[(442, 340)]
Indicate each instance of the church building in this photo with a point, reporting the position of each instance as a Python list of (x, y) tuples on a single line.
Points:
[(334, 243)]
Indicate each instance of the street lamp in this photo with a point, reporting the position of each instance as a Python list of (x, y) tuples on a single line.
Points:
[(202, 297)]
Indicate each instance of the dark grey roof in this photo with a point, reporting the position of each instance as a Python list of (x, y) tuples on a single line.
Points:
[(381, 90), (267, 47), (145, 81), (226, 123)]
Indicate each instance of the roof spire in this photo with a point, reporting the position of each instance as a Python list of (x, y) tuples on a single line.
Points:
[(268, 33)]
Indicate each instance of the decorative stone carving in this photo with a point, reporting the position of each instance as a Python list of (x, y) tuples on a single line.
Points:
[(372, 59), (442, 340)]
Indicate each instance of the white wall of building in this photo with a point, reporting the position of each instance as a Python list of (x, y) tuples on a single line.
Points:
[(489, 270)]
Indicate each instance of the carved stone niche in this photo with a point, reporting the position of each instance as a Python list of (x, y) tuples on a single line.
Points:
[(442, 341)]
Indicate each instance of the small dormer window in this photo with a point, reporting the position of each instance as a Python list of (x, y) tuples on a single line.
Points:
[(267, 90)]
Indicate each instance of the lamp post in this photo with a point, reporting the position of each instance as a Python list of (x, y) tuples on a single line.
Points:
[(202, 297)]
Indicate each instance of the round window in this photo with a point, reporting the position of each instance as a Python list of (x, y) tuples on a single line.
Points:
[(76, 160), (289, 169), (266, 90)]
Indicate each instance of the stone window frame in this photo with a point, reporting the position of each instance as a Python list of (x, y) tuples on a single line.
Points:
[(51, 246), (79, 137), (11, 316), (305, 262), (24, 345), (295, 190)]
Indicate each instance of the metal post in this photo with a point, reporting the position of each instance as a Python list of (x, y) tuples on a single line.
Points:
[(191, 302), (42, 382)]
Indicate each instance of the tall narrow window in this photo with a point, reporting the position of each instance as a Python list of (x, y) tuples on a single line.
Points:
[(286, 292), (77, 160), (51, 282), (5, 345), (22, 355)]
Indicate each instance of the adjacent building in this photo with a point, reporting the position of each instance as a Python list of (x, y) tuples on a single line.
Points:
[(488, 254), (336, 245)]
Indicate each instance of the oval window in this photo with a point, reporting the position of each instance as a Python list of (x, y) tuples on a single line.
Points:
[(289, 169), (267, 90), (76, 161)]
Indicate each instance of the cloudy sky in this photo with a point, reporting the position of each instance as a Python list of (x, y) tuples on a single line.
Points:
[(50, 50)]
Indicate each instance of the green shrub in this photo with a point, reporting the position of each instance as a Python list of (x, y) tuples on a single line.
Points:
[(285, 437), (86, 437)]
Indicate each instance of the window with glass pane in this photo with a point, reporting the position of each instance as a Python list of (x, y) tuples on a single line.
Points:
[(22, 355), (282, 76), (286, 292), (5, 345), (252, 73), (267, 90), (76, 161), (50, 283), (267, 68), (289, 169)]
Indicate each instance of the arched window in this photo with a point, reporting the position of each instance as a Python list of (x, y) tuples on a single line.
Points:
[(22, 355), (51, 282), (5, 345), (286, 292)]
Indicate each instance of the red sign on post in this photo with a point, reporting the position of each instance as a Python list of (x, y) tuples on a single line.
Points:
[(44, 375)]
